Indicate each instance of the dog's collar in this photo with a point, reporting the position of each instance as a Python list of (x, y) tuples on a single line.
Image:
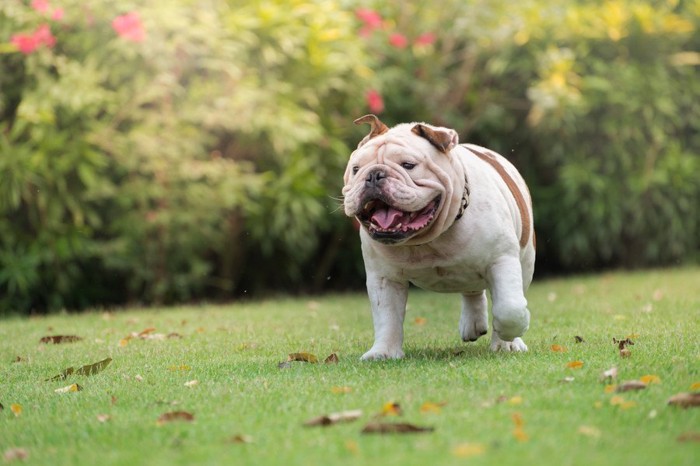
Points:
[(465, 199)]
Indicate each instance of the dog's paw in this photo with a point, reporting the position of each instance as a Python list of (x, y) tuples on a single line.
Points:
[(379, 354), (517, 345), (471, 330)]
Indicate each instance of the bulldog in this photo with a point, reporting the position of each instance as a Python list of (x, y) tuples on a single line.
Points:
[(446, 217)]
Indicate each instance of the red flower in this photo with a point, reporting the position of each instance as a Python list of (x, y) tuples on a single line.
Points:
[(129, 27), (427, 38), (398, 40), (57, 14), (371, 18), (28, 43), (374, 101), (42, 6)]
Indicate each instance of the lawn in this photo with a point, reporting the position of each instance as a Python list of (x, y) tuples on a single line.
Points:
[(542, 407)]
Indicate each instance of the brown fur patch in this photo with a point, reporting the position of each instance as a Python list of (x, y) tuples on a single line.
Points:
[(515, 191)]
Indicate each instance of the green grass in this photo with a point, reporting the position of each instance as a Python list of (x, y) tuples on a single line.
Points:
[(233, 352)]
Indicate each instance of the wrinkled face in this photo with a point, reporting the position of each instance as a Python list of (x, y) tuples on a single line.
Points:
[(397, 185)]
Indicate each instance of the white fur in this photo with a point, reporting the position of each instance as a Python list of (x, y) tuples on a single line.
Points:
[(478, 252)]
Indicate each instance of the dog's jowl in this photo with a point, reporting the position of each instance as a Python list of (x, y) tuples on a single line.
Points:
[(447, 217)]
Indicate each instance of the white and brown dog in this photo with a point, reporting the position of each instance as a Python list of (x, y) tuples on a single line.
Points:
[(446, 217)]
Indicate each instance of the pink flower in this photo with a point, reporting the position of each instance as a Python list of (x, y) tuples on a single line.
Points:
[(129, 27), (374, 101), (371, 18), (42, 6), (398, 40), (28, 43), (57, 14), (425, 39)]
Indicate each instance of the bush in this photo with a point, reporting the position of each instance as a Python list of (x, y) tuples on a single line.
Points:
[(170, 152)]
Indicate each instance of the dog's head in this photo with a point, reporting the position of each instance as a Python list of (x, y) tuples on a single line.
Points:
[(403, 184)]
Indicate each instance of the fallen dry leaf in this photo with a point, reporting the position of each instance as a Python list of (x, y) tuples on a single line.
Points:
[(689, 437), (625, 353), (519, 430), (579, 339), (609, 376), (13, 454), (57, 339), (331, 359), (621, 402), (145, 332), (695, 386), (103, 417), (173, 335), (391, 408), (685, 400), (430, 407), (175, 416), (631, 385), (568, 379), (352, 447), (649, 379), (74, 387), (334, 418), (467, 450), (181, 367), (284, 365), (241, 438), (574, 364), (2, 407), (589, 431), (191, 383), (515, 400), (420, 320), (558, 348), (88, 369), (302, 357), (338, 390), (610, 388), (16, 409), (624, 343), (394, 428)]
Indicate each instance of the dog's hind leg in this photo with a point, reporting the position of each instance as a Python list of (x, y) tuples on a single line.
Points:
[(474, 321)]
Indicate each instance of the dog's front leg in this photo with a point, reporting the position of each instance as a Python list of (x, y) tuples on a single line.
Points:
[(388, 300), (511, 317)]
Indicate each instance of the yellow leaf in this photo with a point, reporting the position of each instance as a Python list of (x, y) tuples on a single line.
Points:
[(589, 431), (420, 321), (632, 336), (574, 364), (391, 409), (695, 386), (302, 357), (520, 435), (516, 400), (430, 407), (467, 450), (124, 341), (518, 420), (558, 348), (16, 409), (628, 404), (648, 379), (616, 400), (610, 388), (181, 367), (338, 390)]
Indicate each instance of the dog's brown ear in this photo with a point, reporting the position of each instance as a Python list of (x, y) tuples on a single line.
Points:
[(376, 127), (443, 139)]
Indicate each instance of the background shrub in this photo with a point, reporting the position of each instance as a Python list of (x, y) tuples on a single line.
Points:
[(163, 153)]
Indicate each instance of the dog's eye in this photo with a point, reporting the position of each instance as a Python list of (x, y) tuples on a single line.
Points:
[(408, 165), (355, 170)]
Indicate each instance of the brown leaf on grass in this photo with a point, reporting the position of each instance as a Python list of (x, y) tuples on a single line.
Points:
[(145, 332), (88, 369), (574, 364), (420, 320), (695, 386), (558, 348), (339, 390), (302, 357), (519, 430), (175, 416), (625, 353), (631, 385), (331, 359), (685, 400), (20, 359), (334, 418), (624, 343), (240, 439), (650, 379), (579, 339), (57, 339), (2, 407), (689, 437), (394, 428), (13, 454), (284, 365)]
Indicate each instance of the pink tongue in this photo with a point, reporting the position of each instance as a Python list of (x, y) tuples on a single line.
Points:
[(385, 218)]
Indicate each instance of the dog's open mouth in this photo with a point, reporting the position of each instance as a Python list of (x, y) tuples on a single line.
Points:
[(389, 224)]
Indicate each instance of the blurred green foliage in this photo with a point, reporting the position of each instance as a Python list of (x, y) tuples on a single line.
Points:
[(200, 153)]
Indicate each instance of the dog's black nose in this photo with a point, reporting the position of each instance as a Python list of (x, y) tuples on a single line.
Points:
[(374, 178)]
